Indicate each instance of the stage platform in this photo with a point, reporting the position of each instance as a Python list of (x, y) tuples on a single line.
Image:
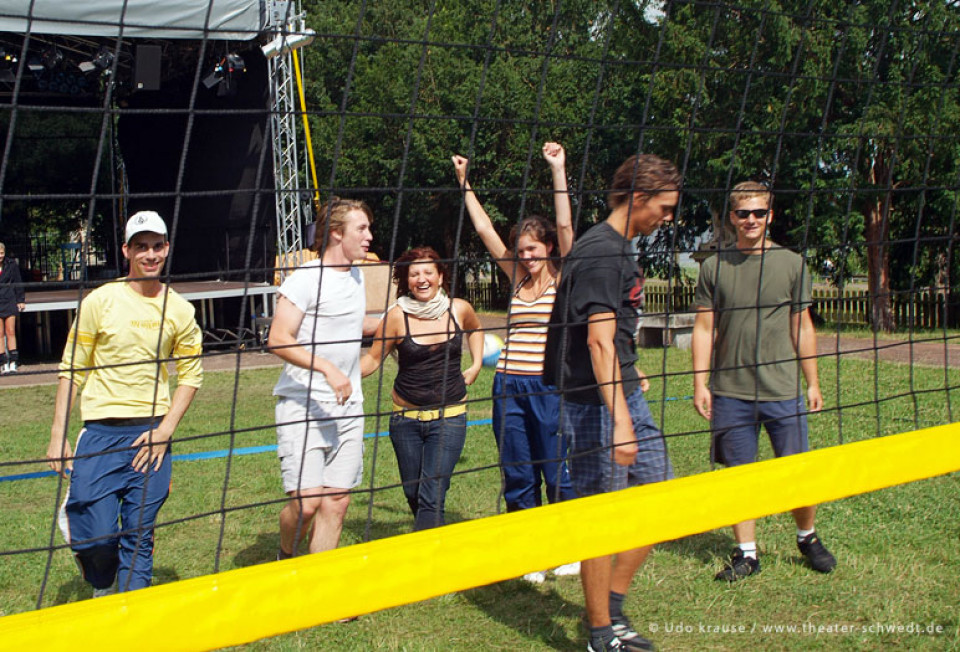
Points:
[(202, 293)]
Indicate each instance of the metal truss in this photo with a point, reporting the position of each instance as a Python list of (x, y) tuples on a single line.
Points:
[(286, 22)]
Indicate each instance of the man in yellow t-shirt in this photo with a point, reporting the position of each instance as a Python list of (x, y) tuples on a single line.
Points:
[(117, 350)]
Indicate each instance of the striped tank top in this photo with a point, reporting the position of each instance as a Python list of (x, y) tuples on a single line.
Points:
[(527, 333)]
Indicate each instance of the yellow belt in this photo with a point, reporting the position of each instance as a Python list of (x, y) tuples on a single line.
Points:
[(430, 415)]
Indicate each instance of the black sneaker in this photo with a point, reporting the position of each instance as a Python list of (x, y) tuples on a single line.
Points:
[(630, 639), (816, 553), (738, 567)]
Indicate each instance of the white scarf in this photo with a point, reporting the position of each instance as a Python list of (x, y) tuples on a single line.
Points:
[(435, 308)]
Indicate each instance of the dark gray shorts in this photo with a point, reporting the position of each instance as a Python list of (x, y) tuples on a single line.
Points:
[(736, 428)]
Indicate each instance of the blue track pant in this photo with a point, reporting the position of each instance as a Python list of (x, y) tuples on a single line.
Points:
[(111, 508), (525, 415)]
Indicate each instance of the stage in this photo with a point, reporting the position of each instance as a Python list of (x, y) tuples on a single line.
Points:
[(48, 305)]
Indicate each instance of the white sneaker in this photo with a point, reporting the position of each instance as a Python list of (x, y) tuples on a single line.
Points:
[(11, 367), (572, 568), (5, 369), (536, 577)]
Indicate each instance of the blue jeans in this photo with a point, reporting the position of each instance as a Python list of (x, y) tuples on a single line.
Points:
[(427, 452), (525, 425), (111, 508)]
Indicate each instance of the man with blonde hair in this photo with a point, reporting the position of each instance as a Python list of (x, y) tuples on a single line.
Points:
[(752, 329), (317, 331)]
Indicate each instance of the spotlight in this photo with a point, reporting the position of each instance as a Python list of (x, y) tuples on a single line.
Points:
[(34, 64), (284, 43), (52, 57), (7, 60), (224, 75), (234, 63), (102, 62)]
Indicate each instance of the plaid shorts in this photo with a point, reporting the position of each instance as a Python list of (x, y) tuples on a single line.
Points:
[(589, 433)]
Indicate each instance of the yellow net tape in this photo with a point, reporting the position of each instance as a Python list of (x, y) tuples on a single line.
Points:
[(251, 603)]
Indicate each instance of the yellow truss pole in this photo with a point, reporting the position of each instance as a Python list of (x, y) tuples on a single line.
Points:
[(306, 127)]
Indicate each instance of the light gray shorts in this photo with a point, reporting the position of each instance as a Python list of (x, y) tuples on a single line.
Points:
[(322, 449)]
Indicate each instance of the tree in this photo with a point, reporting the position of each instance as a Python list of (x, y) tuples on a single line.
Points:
[(850, 110)]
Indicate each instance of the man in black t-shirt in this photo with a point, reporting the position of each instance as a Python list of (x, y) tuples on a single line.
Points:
[(613, 440)]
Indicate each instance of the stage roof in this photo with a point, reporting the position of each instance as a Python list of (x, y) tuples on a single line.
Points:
[(167, 19)]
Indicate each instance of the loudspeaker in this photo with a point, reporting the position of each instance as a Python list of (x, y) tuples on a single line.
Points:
[(146, 72)]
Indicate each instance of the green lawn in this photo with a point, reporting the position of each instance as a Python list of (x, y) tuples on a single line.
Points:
[(898, 549)]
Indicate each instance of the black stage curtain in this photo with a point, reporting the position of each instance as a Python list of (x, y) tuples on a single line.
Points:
[(219, 194)]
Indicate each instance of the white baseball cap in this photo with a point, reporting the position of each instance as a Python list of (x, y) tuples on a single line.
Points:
[(145, 221)]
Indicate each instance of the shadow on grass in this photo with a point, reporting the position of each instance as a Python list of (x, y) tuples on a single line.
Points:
[(73, 590), (76, 588), (264, 547), (262, 550), (706, 548), (399, 521), (530, 610)]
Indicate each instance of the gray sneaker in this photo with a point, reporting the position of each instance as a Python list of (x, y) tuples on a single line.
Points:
[(630, 639)]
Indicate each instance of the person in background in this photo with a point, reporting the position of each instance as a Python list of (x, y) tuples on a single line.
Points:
[(12, 303)]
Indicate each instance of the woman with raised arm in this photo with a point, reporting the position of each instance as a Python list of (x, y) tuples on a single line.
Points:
[(525, 409), (428, 426)]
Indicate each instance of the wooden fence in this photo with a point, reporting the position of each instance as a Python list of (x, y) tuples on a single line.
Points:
[(661, 296), (919, 309), (486, 296), (922, 308)]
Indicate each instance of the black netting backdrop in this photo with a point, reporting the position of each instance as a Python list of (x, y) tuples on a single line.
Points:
[(849, 112)]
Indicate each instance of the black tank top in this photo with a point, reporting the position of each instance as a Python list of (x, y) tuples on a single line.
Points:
[(429, 374)]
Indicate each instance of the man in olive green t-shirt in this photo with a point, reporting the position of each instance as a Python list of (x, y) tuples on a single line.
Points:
[(752, 337)]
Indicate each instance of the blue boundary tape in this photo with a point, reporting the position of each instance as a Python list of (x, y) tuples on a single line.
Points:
[(210, 455), (254, 450)]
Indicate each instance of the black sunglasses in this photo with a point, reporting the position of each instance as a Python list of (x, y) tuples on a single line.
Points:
[(758, 213)]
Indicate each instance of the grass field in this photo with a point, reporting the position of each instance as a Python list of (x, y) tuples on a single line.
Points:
[(898, 549)]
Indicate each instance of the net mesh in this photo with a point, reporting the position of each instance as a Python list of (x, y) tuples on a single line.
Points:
[(848, 112)]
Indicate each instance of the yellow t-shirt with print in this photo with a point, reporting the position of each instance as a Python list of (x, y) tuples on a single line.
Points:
[(119, 346)]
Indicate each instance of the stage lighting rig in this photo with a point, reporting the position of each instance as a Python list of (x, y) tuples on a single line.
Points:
[(7, 62), (52, 58), (102, 62), (284, 43), (225, 75)]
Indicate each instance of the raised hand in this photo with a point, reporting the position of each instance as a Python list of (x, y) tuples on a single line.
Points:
[(554, 155), (460, 167)]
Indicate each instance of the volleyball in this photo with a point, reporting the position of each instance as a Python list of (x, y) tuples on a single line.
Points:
[(492, 345)]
